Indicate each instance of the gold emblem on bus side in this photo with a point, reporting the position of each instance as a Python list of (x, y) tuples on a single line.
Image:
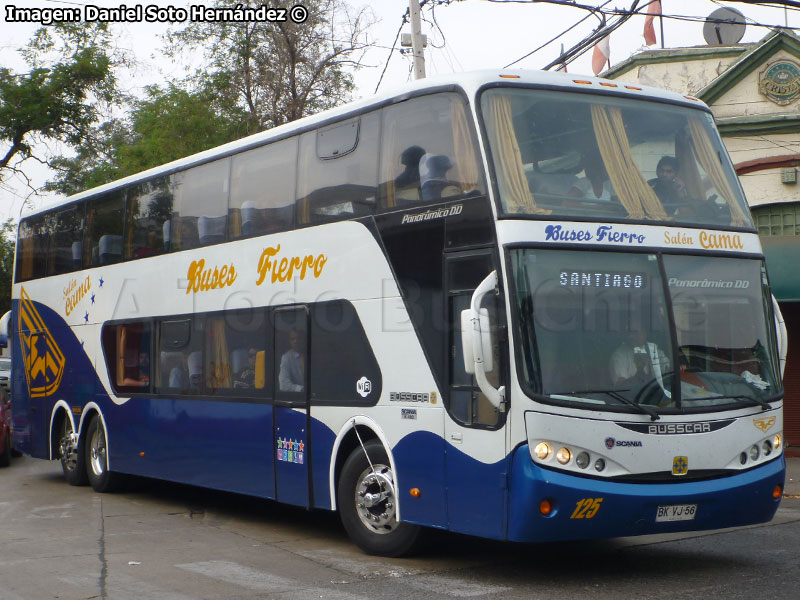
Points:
[(44, 362), (680, 465), (764, 424)]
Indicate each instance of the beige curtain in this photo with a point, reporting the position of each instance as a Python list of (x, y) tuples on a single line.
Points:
[(121, 335), (389, 153), (218, 366), (466, 164), (687, 165), (709, 160), (633, 191), (514, 191)]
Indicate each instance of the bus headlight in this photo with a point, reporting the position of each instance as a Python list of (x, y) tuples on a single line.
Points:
[(599, 465), (777, 442), (754, 452), (564, 455), (582, 460), (543, 451), (766, 447)]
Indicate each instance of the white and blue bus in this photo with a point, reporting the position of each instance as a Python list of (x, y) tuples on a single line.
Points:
[(523, 306)]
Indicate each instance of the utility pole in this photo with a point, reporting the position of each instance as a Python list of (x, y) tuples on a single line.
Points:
[(417, 43)]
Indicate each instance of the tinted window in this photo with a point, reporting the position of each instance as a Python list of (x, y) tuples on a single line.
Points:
[(342, 187), (180, 357), (235, 359), (262, 189), (148, 220), (66, 240), (127, 352), (428, 152), (32, 249), (344, 369), (105, 219), (200, 209), (291, 352), (337, 140)]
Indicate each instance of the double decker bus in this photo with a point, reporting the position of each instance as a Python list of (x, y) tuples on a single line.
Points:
[(523, 306)]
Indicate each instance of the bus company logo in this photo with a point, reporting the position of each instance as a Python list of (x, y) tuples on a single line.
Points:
[(74, 293), (680, 466), (605, 234), (721, 241), (363, 387), (285, 268), (202, 279), (44, 362), (780, 82), (408, 397), (764, 424), (676, 428), (408, 413), (612, 443), (428, 215), (434, 397)]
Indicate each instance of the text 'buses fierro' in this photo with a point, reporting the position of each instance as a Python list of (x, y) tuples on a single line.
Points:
[(521, 306)]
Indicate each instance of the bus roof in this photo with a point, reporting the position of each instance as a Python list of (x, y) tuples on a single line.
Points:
[(469, 82)]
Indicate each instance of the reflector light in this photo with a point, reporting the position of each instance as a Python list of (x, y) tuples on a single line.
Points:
[(606, 84), (582, 81), (691, 98), (415, 493), (545, 507), (633, 87), (510, 76), (777, 492)]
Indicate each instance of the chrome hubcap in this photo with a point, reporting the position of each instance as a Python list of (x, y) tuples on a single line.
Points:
[(68, 447), (97, 450), (375, 499)]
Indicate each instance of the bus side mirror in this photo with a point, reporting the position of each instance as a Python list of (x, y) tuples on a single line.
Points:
[(780, 329), (4, 321), (476, 341)]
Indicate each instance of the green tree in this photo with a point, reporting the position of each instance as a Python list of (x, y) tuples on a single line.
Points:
[(278, 72), (168, 124), (71, 78), (7, 231)]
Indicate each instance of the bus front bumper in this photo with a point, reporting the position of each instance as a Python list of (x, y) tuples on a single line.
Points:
[(585, 508)]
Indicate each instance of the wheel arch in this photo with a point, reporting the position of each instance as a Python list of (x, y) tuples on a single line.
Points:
[(347, 441), (90, 410)]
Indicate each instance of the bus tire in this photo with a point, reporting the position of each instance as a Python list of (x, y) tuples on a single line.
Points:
[(73, 464), (368, 504), (100, 478)]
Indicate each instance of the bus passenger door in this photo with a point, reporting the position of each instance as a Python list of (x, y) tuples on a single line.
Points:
[(292, 414), (475, 437)]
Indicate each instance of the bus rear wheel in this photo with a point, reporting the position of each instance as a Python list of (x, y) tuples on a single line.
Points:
[(101, 479), (70, 451), (368, 504)]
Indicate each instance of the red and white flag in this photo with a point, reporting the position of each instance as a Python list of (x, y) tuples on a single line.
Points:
[(653, 10), (600, 55)]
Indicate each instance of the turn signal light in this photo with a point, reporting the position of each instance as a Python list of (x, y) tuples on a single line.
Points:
[(777, 442), (545, 507), (777, 492)]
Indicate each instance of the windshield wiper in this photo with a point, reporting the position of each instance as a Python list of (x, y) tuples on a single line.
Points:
[(646, 410), (762, 403)]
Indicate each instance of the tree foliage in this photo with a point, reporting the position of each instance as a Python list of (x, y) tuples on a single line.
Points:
[(7, 231), (168, 124), (278, 72), (71, 78)]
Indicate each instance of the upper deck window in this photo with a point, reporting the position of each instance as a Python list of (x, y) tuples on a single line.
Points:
[(607, 158)]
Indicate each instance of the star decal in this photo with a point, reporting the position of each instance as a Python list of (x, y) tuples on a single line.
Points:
[(92, 298), (86, 317), (101, 281)]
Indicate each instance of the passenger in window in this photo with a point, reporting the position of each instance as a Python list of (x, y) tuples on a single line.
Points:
[(596, 184), (637, 362), (291, 376), (142, 377), (668, 185), (246, 378), (178, 376), (433, 170), (409, 178)]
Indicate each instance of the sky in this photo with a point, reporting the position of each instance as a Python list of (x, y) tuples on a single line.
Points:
[(462, 36)]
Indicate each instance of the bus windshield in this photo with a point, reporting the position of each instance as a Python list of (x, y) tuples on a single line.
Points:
[(595, 329), (609, 158)]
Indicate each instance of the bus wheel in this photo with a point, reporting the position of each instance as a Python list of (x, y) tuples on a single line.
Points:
[(368, 504), (70, 451), (101, 479)]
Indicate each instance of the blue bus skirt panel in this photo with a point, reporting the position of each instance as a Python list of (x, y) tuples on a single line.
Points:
[(628, 509)]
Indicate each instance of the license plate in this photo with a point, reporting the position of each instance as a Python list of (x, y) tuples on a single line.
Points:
[(676, 512)]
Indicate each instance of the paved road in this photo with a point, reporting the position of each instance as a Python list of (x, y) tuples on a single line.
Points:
[(180, 543)]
